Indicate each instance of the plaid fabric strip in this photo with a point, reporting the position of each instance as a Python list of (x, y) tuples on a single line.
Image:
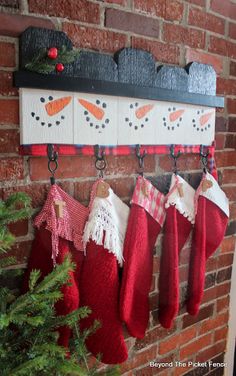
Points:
[(147, 196), (41, 150)]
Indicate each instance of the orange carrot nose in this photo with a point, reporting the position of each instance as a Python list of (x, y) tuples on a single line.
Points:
[(205, 118), (97, 112), (57, 105), (142, 111), (175, 115)]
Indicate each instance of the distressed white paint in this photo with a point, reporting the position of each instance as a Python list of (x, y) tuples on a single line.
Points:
[(90, 119)]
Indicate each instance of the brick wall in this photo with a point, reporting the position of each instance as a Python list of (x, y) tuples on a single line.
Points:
[(176, 32)]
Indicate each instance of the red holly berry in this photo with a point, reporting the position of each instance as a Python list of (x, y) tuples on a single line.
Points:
[(52, 53), (60, 67)]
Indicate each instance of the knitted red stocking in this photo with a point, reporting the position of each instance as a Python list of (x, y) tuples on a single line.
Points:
[(145, 220), (178, 225), (209, 229), (41, 259), (99, 282)]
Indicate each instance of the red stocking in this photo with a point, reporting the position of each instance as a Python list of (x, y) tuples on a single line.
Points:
[(99, 282), (145, 221), (209, 229), (179, 215)]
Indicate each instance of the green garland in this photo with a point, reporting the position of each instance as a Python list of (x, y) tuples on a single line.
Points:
[(45, 65)]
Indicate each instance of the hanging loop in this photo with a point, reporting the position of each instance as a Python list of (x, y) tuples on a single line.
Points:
[(52, 162), (174, 157), (140, 159), (204, 158), (100, 162)]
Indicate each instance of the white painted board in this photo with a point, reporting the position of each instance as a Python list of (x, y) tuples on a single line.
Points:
[(90, 119)]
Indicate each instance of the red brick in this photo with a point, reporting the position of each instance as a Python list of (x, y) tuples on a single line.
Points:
[(177, 340), (184, 256), (11, 169), (231, 105), (232, 124), (95, 39), (225, 260), (37, 192), (225, 159), (185, 162), (209, 295), (153, 301), (7, 56), (201, 3), (152, 335), (162, 52), (212, 351), (230, 142), (221, 334), (220, 141), (6, 84), (9, 140), (9, 111), (233, 68), (14, 4), (223, 289), (69, 167), (211, 264), (138, 359), (226, 86), (232, 30), (206, 21), (230, 192), (232, 210), (228, 244), (127, 165), (222, 304), (19, 228), (221, 124), (182, 35), (224, 275), (226, 8), (221, 46), (212, 323), (205, 58), (14, 24), (183, 274), (81, 10), (127, 21), (163, 371), (203, 314), (119, 2), (156, 264), (171, 10), (195, 346)]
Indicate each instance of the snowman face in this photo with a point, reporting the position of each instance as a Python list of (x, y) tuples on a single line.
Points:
[(173, 118), (202, 120), (51, 113), (138, 117), (95, 114)]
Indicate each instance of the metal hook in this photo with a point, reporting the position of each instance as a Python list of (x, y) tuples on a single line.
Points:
[(100, 162), (174, 157), (52, 162), (140, 159), (204, 159)]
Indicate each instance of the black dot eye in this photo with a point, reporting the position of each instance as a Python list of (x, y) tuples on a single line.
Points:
[(165, 124), (98, 101), (168, 128), (91, 124), (42, 100), (201, 130), (135, 127), (103, 125), (164, 118), (174, 108), (178, 125), (107, 121), (205, 128), (62, 117), (197, 129), (86, 112), (180, 119), (57, 122), (97, 126), (209, 125), (42, 123), (104, 105), (50, 98), (131, 106), (173, 128), (136, 104), (142, 125), (126, 119), (32, 114), (37, 118), (87, 118), (49, 125), (193, 120), (169, 109), (194, 125), (130, 124), (198, 112), (146, 119)]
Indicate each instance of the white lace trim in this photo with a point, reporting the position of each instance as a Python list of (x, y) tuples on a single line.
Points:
[(107, 224), (185, 204), (216, 195)]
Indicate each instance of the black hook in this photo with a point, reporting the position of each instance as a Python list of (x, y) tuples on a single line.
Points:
[(204, 158), (52, 162), (140, 159), (175, 157), (100, 162)]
